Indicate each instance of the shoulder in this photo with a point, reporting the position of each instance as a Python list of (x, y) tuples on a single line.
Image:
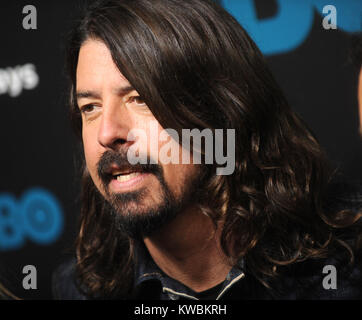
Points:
[(64, 285), (334, 277)]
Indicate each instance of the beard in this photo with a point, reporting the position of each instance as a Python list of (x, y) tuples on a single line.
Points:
[(132, 214)]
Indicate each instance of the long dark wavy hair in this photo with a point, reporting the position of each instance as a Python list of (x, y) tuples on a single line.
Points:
[(196, 67)]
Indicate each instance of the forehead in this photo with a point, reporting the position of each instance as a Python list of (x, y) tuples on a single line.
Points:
[(96, 69)]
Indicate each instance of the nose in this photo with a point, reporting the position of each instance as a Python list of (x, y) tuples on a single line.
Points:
[(114, 128)]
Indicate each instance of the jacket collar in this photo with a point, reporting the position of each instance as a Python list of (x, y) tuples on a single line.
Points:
[(147, 270)]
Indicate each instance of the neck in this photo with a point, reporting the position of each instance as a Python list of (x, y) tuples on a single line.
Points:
[(188, 250)]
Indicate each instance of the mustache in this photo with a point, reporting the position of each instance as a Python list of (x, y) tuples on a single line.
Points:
[(119, 159)]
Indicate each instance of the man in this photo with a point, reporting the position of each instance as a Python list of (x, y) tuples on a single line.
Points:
[(180, 229)]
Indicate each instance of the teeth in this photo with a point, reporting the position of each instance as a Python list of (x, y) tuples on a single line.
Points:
[(126, 177)]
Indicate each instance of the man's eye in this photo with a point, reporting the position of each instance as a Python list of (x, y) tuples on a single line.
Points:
[(87, 108), (137, 100)]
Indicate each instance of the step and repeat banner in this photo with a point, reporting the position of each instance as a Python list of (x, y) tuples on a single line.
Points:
[(307, 45)]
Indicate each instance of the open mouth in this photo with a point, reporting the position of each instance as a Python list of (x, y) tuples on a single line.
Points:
[(120, 177), (125, 176), (126, 180)]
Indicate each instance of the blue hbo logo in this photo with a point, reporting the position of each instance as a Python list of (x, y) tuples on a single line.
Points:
[(293, 20), (36, 216)]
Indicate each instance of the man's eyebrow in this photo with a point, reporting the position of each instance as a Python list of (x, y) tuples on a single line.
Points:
[(123, 90), (92, 94), (87, 94)]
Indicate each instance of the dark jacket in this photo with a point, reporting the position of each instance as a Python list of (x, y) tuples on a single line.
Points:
[(300, 281), (303, 280)]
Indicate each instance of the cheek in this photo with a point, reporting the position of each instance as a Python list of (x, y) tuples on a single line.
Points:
[(90, 152), (178, 175), (147, 134)]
